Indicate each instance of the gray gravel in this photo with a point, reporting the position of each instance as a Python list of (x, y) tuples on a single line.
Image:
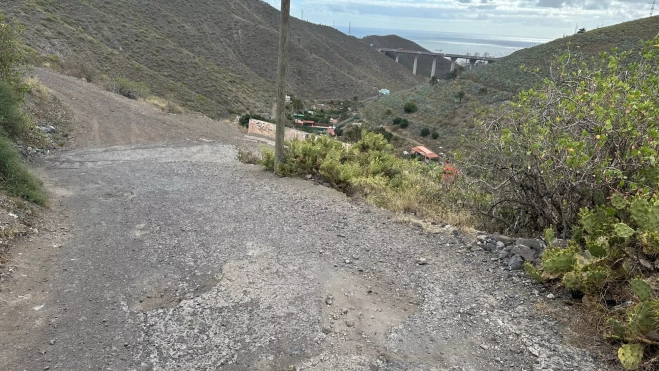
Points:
[(180, 258)]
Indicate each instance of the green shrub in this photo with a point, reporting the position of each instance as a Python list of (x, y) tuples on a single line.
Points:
[(587, 148), (410, 107), (425, 132), (368, 168), (397, 121), (435, 135), (244, 119), (404, 123), (15, 178), (12, 121), (11, 55), (592, 129)]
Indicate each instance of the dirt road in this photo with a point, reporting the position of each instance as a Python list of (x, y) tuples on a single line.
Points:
[(162, 252)]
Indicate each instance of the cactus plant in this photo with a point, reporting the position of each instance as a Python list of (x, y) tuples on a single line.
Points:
[(598, 247), (630, 356), (650, 242), (532, 272), (571, 281), (640, 210), (549, 236), (618, 329), (642, 289), (593, 278), (623, 230), (618, 201), (642, 319), (557, 260)]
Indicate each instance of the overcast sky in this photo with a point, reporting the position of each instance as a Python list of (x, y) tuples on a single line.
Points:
[(542, 19)]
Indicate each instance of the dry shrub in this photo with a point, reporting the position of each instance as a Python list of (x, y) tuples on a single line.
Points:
[(36, 88)]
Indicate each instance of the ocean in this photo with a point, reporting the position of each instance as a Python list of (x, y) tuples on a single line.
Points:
[(451, 42)]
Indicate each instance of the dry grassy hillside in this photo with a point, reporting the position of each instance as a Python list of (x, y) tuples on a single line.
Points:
[(215, 56), (424, 64)]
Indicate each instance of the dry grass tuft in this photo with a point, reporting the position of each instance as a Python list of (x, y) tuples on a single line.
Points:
[(247, 156), (37, 89), (165, 105)]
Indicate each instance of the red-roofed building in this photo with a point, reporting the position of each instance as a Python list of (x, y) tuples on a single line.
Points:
[(424, 152)]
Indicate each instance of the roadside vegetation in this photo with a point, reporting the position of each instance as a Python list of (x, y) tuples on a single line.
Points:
[(15, 178), (369, 169), (575, 158)]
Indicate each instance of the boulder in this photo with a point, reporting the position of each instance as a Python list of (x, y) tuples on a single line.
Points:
[(516, 263), (525, 252), (505, 239), (534, 243)]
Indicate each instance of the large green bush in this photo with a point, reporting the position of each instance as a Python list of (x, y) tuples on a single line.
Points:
[(410, 107), (368, 168), (578, 156), (589, 131)]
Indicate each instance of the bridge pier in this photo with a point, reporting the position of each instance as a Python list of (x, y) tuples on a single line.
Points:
[(416, 59), (397, 56), (453, 63), (434, 66), (472, 62)]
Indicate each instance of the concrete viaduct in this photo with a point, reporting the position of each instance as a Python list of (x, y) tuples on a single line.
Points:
[(453, 57)]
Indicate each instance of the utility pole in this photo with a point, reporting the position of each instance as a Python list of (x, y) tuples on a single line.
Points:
[(349, 27), (652, 9), (281, 83)]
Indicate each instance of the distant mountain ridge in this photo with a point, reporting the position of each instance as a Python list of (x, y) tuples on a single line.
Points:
[(215, 56), (424, 64)]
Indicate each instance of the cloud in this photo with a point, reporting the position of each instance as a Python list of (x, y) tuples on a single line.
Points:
[(546, 18)]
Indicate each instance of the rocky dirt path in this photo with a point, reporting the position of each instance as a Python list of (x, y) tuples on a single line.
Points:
[(165, 253)]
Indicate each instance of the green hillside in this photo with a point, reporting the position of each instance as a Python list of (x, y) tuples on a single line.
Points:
[(214, 56), (439, 105)]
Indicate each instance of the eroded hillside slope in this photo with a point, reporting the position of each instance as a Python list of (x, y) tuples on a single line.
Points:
[(216, 57)]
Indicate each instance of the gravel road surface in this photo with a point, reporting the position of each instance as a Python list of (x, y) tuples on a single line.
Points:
[(162, 252)]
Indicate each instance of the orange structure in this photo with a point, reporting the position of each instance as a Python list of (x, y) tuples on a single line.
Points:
[(450, 173), (427, 154)]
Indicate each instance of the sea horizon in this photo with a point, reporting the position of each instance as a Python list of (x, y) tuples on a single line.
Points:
[(452, 42)]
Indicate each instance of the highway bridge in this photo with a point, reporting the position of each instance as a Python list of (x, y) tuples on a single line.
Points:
[(453, 57)]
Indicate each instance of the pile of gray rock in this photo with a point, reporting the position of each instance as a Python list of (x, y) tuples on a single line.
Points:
[(512, 252)]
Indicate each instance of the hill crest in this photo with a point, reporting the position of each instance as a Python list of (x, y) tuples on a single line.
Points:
[(216, 57)]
